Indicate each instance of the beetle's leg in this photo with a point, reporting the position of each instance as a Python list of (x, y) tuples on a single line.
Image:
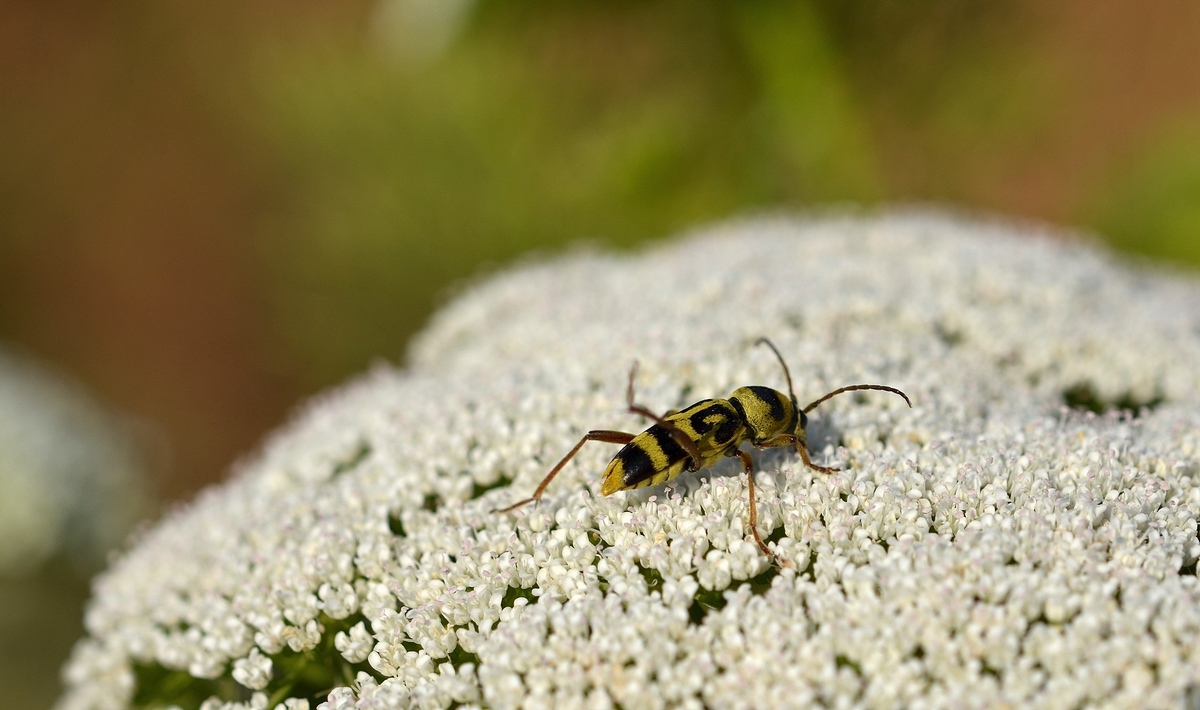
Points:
[(684, 440), (808, 462), (608, 437), (748, 466), (791, 440)]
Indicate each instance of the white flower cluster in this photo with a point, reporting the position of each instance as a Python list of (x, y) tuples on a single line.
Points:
[(990, 547), (71, 481)]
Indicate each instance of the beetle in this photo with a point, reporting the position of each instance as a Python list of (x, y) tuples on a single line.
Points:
[(702, 434)]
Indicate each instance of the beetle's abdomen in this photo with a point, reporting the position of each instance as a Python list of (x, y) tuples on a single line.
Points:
[(655, 456)]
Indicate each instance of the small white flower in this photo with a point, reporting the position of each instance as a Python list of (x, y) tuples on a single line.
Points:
[(340, 699), (338, 602), (302, 639), (355, 646), (253, 671), (272, 636)]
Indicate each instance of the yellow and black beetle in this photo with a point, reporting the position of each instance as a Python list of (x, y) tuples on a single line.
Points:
[(703, 434)]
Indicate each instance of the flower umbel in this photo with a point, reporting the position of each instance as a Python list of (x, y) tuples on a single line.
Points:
[(994, 545)]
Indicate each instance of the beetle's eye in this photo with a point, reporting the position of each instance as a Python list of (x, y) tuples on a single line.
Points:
[(803, 420)]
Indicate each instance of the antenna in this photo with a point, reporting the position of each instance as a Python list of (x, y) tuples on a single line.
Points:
[(788, 375), (851, 388)]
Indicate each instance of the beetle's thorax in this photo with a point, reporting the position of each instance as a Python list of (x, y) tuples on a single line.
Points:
[(766, 412)]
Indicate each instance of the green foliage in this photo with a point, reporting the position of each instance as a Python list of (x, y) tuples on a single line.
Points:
[(534, 124), (542, 123), (159, 687), (816, 128), (310, 674), (41, 616), (708, 600), (1152, 205)]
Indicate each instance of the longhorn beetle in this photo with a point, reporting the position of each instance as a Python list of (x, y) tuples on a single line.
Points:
[(702, 434)]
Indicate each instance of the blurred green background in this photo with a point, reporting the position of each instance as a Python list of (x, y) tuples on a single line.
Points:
[(209, 210)]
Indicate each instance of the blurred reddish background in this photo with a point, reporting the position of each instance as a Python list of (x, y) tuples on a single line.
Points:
[(127, 256)]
